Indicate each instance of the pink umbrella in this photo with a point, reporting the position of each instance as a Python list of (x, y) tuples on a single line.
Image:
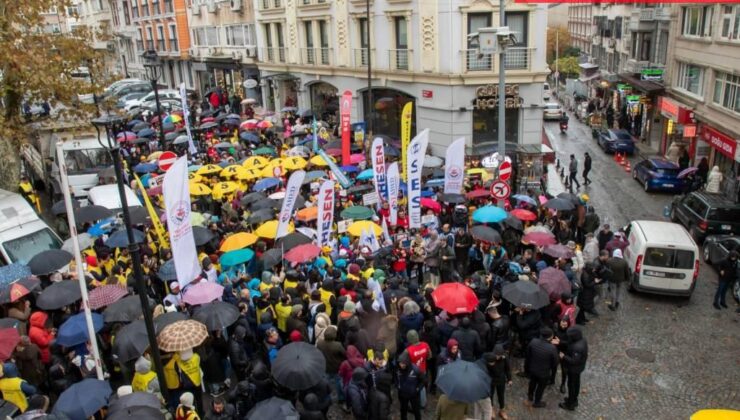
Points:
[(356, 158), (126, 136), (428, 203), (264, 124), (202, 293), (249, 124), (302, 253), (554, 282), (105, 295), (334, 152), (539, 238), (207, 120)]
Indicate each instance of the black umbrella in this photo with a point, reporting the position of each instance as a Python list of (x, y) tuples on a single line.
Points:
[(216, 315), (167, 271), (131, 342), (452, 198), (271, 258), (91, 214), (485, 233), (570, 197), (139, 215), (127, 309), (208, 112), (9, 323), (274, 408), (140, 140), (292, 240), (252, 197), (261, 215), (560, 204), (59, 294), (526, 294), (208, 126), (168, 318), (119, 239), (300, 202), (140, 126), (49, 261), (513, 222), (298, 366), (60, 207), (359, 188), (265, 203), (202, 235), (138, 413), (463, 381)]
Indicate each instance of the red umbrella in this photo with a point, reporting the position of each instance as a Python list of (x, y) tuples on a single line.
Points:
[(539, 238), (103, 296), (207, 120), (302, 253), (554, 282), (428, 203), (9, 338), (479, 193), (18, 289), (356, 158), (558, 251), (523, 214), (455, 298)]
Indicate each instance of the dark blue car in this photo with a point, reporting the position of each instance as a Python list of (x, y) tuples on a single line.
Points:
[(658, 175), (613, 141)]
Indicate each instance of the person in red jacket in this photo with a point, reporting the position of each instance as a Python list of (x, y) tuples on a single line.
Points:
[(41, 335)]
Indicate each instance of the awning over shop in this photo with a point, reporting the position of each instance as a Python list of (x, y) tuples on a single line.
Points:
[(280, 76), (644, 86)]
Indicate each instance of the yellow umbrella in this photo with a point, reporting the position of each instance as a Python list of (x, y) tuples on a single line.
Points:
[(209, 170), (319, 161), (154, 156), (716, 414), (238, 241), (294, 163), (358, 227), (268, 230), (257, 162), (233, 171), (197, 188), (248, 175), (223, 188), (269, 170), (193, 177)]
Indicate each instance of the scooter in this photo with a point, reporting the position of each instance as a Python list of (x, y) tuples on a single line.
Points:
[(563, 126)]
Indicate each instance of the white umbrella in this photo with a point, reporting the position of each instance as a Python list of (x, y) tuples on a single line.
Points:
[(84, 239), (278, 195), (433, 162)]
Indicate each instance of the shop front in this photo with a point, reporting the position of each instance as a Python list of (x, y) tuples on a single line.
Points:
[(635, 99), (324, 101), (485, 117), (724, 154), (678, 130), (386, 111), (279, 90)]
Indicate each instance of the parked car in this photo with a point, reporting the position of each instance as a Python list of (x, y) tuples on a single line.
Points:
[(126, 89), (552, 111), (717, 247), (163, 94), (658, 175), (613, 141), (704, 214), (546, 91), (130, 97), (119, 83)]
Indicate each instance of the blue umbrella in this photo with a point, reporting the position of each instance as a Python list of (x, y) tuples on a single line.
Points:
[(525, 198), (147, 132), (392, 151), (250, 137), (365, 175), (193, 168), (167, 271), (119, 239), (266, 183), (101, 228), (350, 169), (83, 399), (74, 329), (489, 214), (304, 140), (427, 193), (145, 168), (239, 256), (13, 272)]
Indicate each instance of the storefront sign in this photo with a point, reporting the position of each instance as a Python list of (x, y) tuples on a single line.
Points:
[(427, 94), (689, 130), (624, 87), (720, 141), (674, 111), (345, 110), (633, 98), (654, 75), (486, 97), (250, 84)]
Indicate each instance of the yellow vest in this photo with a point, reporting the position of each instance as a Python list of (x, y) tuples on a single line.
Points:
[(287, 284), (283, 313), (11, 389), (141, 381), (191, 368), (326, 299), (170, 374)]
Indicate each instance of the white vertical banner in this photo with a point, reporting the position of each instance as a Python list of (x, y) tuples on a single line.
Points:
[(177, 205), (386, 234), (377, 155), (394, 184), (414, 162), (455, 166), (368, 239), (326, 213), (291, 195), (186, 117)]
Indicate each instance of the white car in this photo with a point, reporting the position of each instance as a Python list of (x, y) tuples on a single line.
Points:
[(546, 92), (118, 83), (163, 94), (552, 111)]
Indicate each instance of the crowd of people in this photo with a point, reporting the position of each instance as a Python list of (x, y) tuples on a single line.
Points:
[(370, 310)]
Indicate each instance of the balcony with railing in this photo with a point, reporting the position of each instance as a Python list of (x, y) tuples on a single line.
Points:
[(359, 57), (269, 5), (313, 4), (400, 60), (161, 45), (174, 46), (474, 61), (518, 58), (272, 54)]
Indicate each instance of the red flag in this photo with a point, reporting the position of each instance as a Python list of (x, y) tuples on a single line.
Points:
[(345, 110)]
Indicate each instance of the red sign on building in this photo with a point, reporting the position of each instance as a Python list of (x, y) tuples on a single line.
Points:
[(722, 142), (427, 94), (675, 111)]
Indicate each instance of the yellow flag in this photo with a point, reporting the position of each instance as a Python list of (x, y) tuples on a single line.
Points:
[(161, 234), (405, 135)]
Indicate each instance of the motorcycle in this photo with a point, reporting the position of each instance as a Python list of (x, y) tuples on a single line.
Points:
[(563, 126)]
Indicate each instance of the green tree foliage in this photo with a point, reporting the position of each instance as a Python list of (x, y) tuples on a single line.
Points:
[(567, 66)]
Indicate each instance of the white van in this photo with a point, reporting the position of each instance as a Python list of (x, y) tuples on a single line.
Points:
[(22, 233), (662, 257), (107, 196)]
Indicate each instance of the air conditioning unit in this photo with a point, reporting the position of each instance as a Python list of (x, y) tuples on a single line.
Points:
[(252, 52), (212, 7), (236, 5), (195, 10), (612, 42)]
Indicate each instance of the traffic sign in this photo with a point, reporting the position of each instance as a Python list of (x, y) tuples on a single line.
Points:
[(504, 171), (500, 190), (166, 160)]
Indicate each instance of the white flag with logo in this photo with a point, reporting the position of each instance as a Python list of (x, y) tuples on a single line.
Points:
[(386, 234), (325, 218), (377, 155), (414, 163), (455, 166), (368, 239), (186, 117), (177, 205), (291, 196), (394, 184)]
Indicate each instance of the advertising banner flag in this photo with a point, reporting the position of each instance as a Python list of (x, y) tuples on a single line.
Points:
[(394, 184), (291, 196), (326, 213), (405, 134), (345, 109), (377, 155), (415, 161), (177, 205), (455, 166), (186, 117)]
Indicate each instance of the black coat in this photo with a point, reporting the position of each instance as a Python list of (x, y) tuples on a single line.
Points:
[(576, 354), (379, 406), (237, 352), (529, 324), (727, 270), (468, 342), (541, 359), (588, 291), (499, 332)]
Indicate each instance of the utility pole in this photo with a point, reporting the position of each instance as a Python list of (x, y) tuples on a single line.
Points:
[(369, 122), (501, 94)]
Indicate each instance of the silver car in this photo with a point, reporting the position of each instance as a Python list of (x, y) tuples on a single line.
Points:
[(552, 111)]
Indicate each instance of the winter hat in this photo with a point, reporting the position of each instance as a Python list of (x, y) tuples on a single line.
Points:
[(571, 245), (451, 343), (353, 269), (187, 399), (526, 269), (174, 285), (349, 306), (412, 336), (295, 336), (565, 296), (617, 253), (545, 333)]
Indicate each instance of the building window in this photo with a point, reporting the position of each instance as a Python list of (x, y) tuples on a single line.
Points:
[(150, 39), (324, 41), (168, 6), (280, 41), (730, 22), (134, 9), (240, 35), (174, 46), (212, 36), (401, 55), (160, 39), (690, 78), (199, 37), (727, 91), (662, 48), (697, 21), (155, 7), (474, 61), (140, 40), (518, 56), (144, 8), (126, 14), (646, 45), (361, 55)]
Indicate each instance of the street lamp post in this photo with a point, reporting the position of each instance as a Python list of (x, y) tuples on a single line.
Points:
[(152, 65), (112, 124)]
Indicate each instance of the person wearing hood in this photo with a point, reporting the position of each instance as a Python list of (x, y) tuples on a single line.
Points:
[(574, 360), (41, 335), (321, 323), (468, 340), (499, 369), (335, 355), (450, 353), (186, 410), (357, 391), (295, 322), (567, 308), (379, 398), (310, 408), (354, 359), (618, 242), (13, 388), (410, 382), (620, 274), (27, 358), (145, 379), (238, 353), (587, 294)]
